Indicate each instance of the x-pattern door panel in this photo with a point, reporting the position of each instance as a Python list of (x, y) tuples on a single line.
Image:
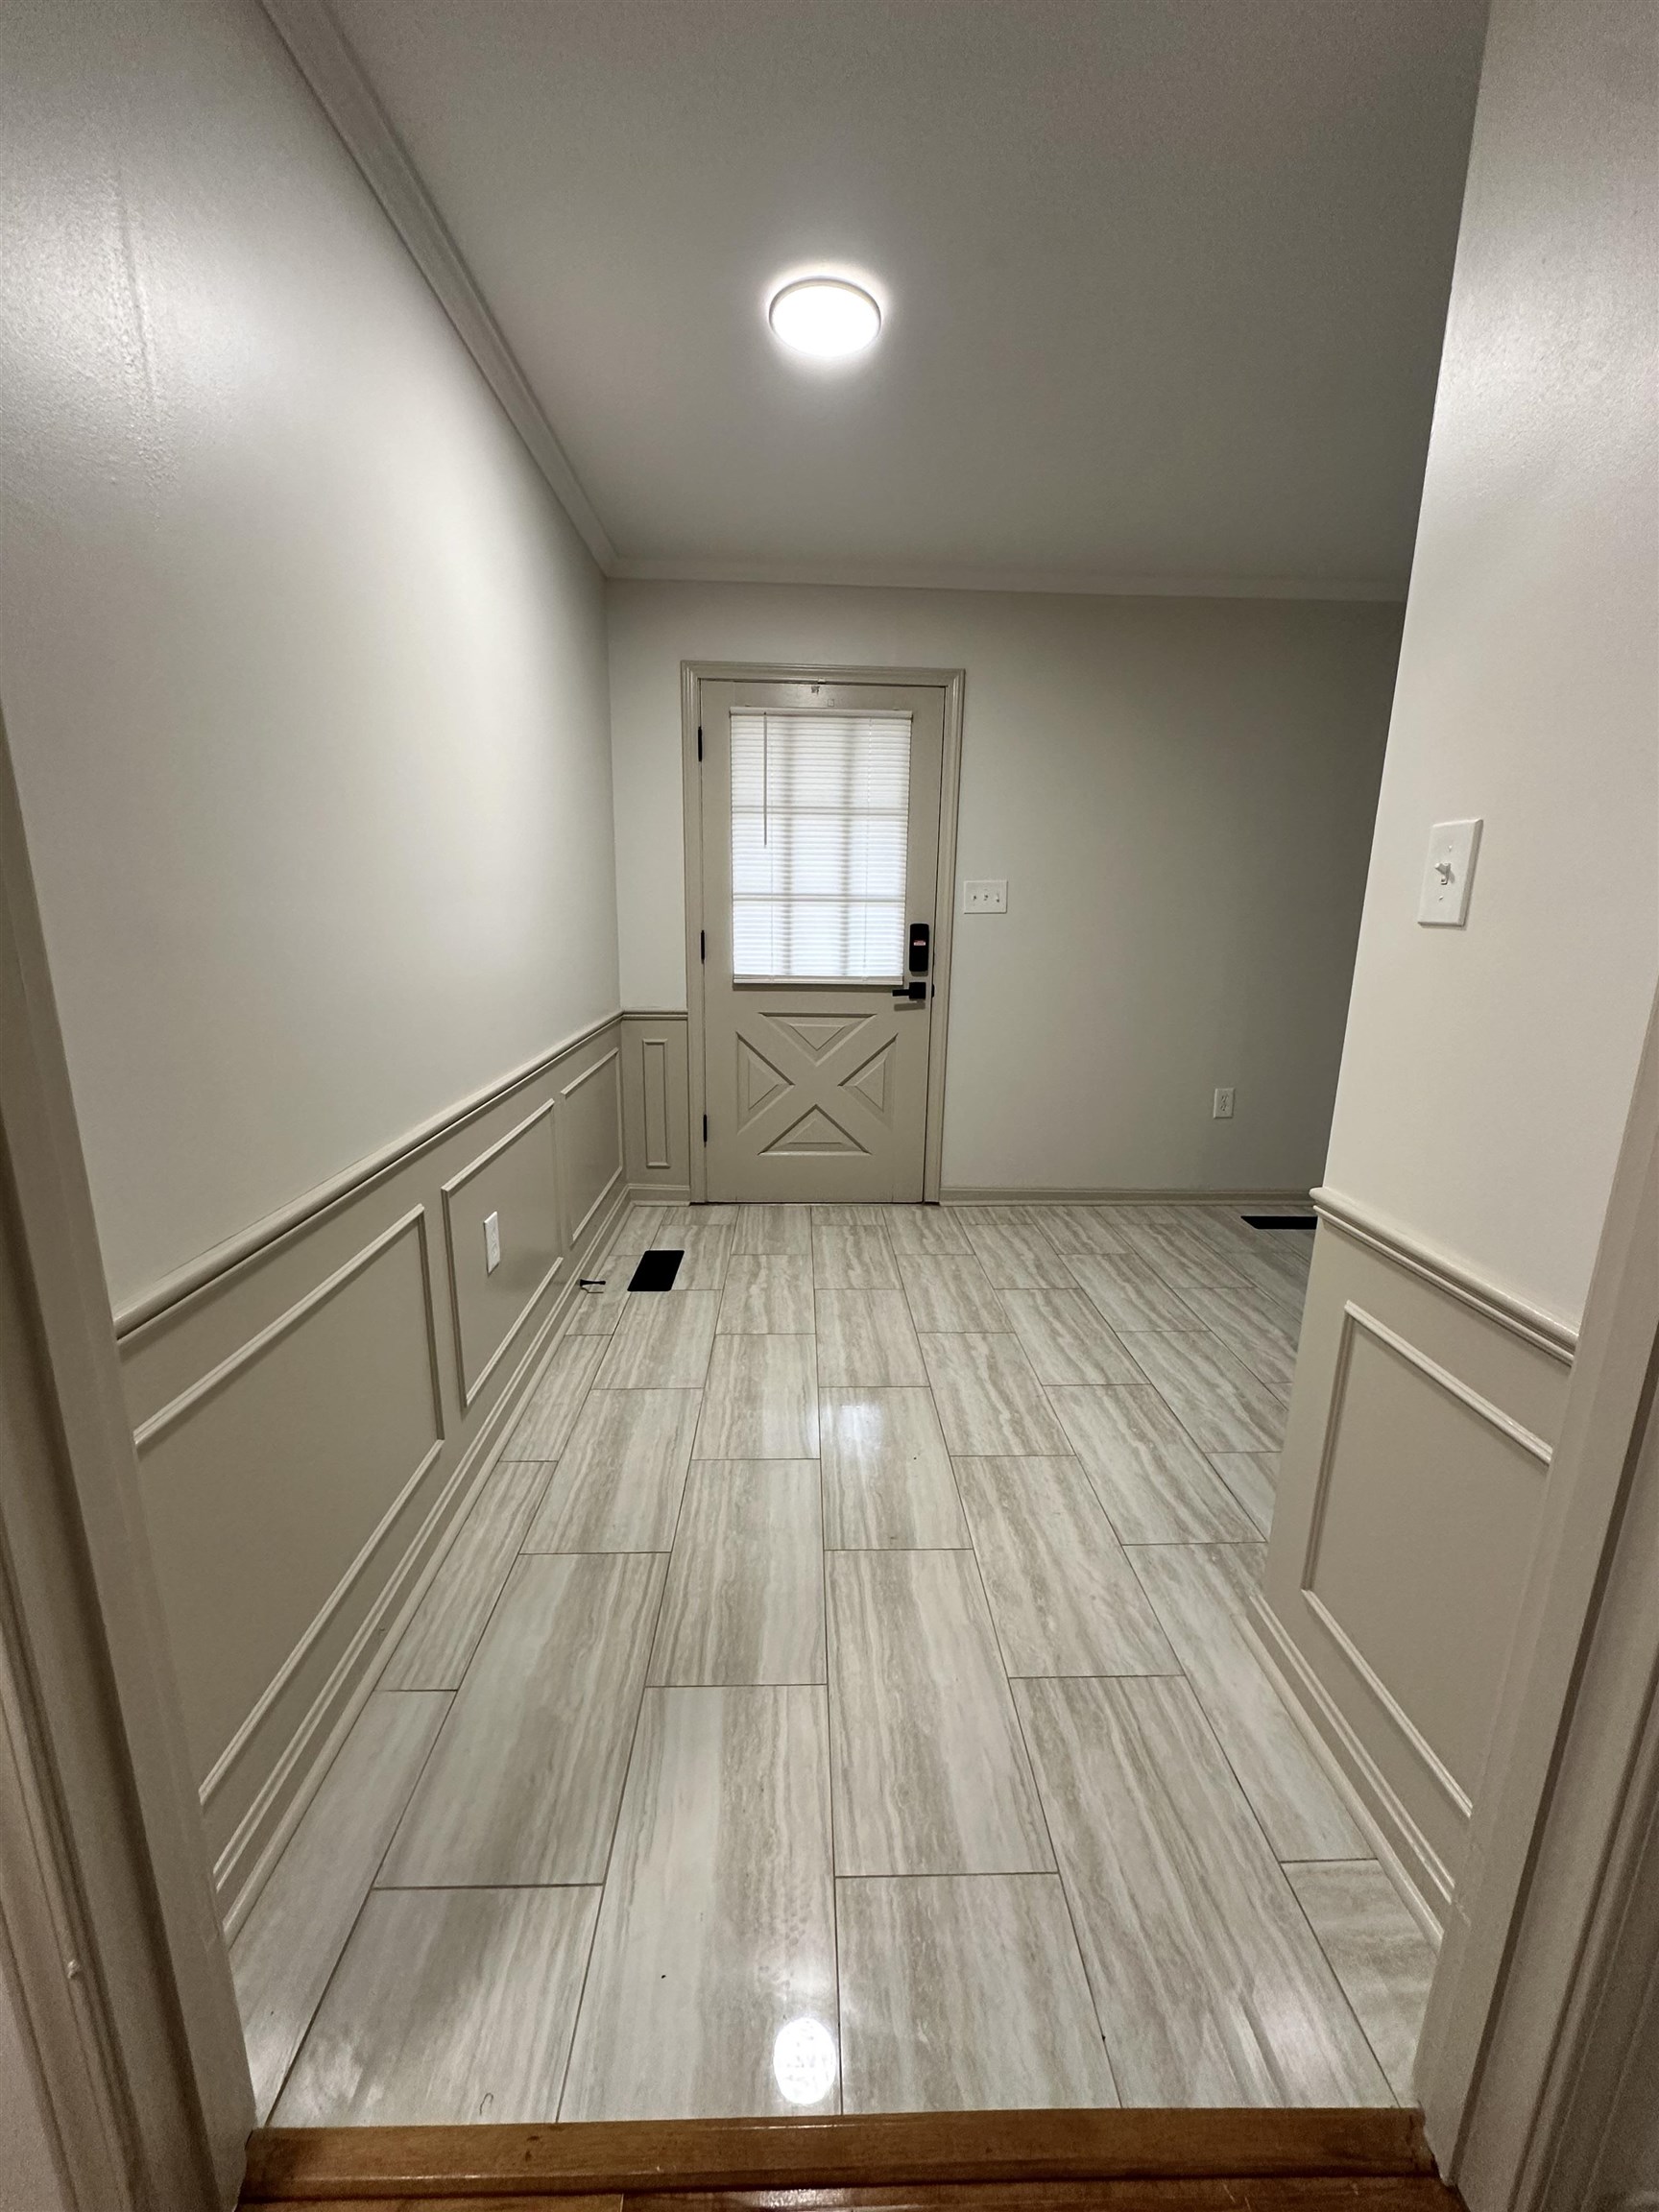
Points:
[(816, 1089)]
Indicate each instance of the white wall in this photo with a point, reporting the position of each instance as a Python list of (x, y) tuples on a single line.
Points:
[(1487, 1072), (1180, 793), (302, 666)]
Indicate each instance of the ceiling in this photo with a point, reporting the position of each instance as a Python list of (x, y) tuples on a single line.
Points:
[(1164, 279)]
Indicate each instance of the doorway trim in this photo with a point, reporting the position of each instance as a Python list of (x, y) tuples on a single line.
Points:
[(693, 674)]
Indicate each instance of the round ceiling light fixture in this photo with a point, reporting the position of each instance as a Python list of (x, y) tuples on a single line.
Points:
[(826, 317)]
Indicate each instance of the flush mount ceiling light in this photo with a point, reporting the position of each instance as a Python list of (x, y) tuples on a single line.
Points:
[(826, 317)]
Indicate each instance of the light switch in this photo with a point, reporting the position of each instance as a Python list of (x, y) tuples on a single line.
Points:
[(1450, 870), (985, 897), (492, 1242)]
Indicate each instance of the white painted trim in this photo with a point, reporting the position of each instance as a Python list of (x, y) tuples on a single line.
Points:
[(1535, 1325), (259, 1236), (470, 1388), (1414, 1865), (329, 65), (888, 576)]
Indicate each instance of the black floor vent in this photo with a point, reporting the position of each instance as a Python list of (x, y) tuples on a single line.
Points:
[(1281, 1220), (656, 1271)]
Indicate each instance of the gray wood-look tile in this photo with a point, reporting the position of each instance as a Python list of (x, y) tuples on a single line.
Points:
[(450, 2006), (1217, 1401), (745, 1594), (1155, 1484), (775, 1229), (767, 1294), (1082, 1228), (1208, 1985), (853, 1216), (965, 1994), (921, 1229), (706, 1247), (636, 1230), (292, 1939), (1063, 1596), (852, 1257), (1253, 1477), (677, 1217), (597, 1312), (761, 1399), (1129, 1292), (950, 1292), (1378, 1953), (1016, 1255), (524, 1782), (1066, 1338), (1184, 1243), (717, 1933), (1254, 1332), (1201, 1592), (617, 1484), (989, 1403), (433, 1650), (551, 1407), (866, 1336), (887, 1479), (930, 1775), (661, 1342)]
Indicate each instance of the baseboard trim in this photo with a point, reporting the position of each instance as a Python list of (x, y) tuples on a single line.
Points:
[(1544, 1331), (270, 1821), (607, 2158), (660, 1194), (1103, 1194), (1416, 1867), (260, 1236)]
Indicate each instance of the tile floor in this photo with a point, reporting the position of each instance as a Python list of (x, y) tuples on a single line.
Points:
[(839, 1698)]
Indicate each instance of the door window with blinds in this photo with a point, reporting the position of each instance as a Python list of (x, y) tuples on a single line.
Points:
[(820, 812)]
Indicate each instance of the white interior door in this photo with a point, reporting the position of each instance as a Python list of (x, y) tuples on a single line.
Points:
[(820, 825)]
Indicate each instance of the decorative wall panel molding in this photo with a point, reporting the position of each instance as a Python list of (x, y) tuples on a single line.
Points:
[(1411, 1489), (656, 1102), (516, 1180), (313, 1420)]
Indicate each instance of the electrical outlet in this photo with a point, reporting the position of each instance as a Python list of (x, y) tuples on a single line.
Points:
[(1222, 1108), (986, 896), (492, 1242)]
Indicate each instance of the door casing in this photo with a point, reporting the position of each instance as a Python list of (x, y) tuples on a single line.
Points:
[(693, 674)]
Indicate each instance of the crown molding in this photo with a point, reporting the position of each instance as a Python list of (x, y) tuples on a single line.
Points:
[(1074, 583), (329, 65)]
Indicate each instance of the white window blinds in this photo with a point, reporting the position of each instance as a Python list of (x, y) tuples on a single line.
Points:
[(820, 816)]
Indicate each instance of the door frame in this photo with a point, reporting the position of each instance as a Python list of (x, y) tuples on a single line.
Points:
[(111, 1943), (693, 674)]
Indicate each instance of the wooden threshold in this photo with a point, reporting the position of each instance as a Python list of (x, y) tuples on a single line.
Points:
[(1373, 2162)]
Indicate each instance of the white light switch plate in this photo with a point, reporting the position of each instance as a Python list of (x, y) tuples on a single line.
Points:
[(985, 897), (492, 1242), (1450, 870)]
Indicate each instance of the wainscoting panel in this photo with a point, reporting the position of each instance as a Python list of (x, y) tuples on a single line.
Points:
[(656, 1102), (516, 1179), (313, 1419), (591, 1140), (1409, 1492)]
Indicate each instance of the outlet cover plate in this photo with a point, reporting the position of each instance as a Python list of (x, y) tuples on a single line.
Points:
[(492, 1242)]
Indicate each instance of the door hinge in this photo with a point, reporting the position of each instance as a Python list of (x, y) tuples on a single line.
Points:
[(699, 742), (701, 944), (704, 1129)]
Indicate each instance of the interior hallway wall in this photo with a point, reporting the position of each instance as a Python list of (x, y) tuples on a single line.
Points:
[(302, 665), (1180, 793), (1487, 1072)]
